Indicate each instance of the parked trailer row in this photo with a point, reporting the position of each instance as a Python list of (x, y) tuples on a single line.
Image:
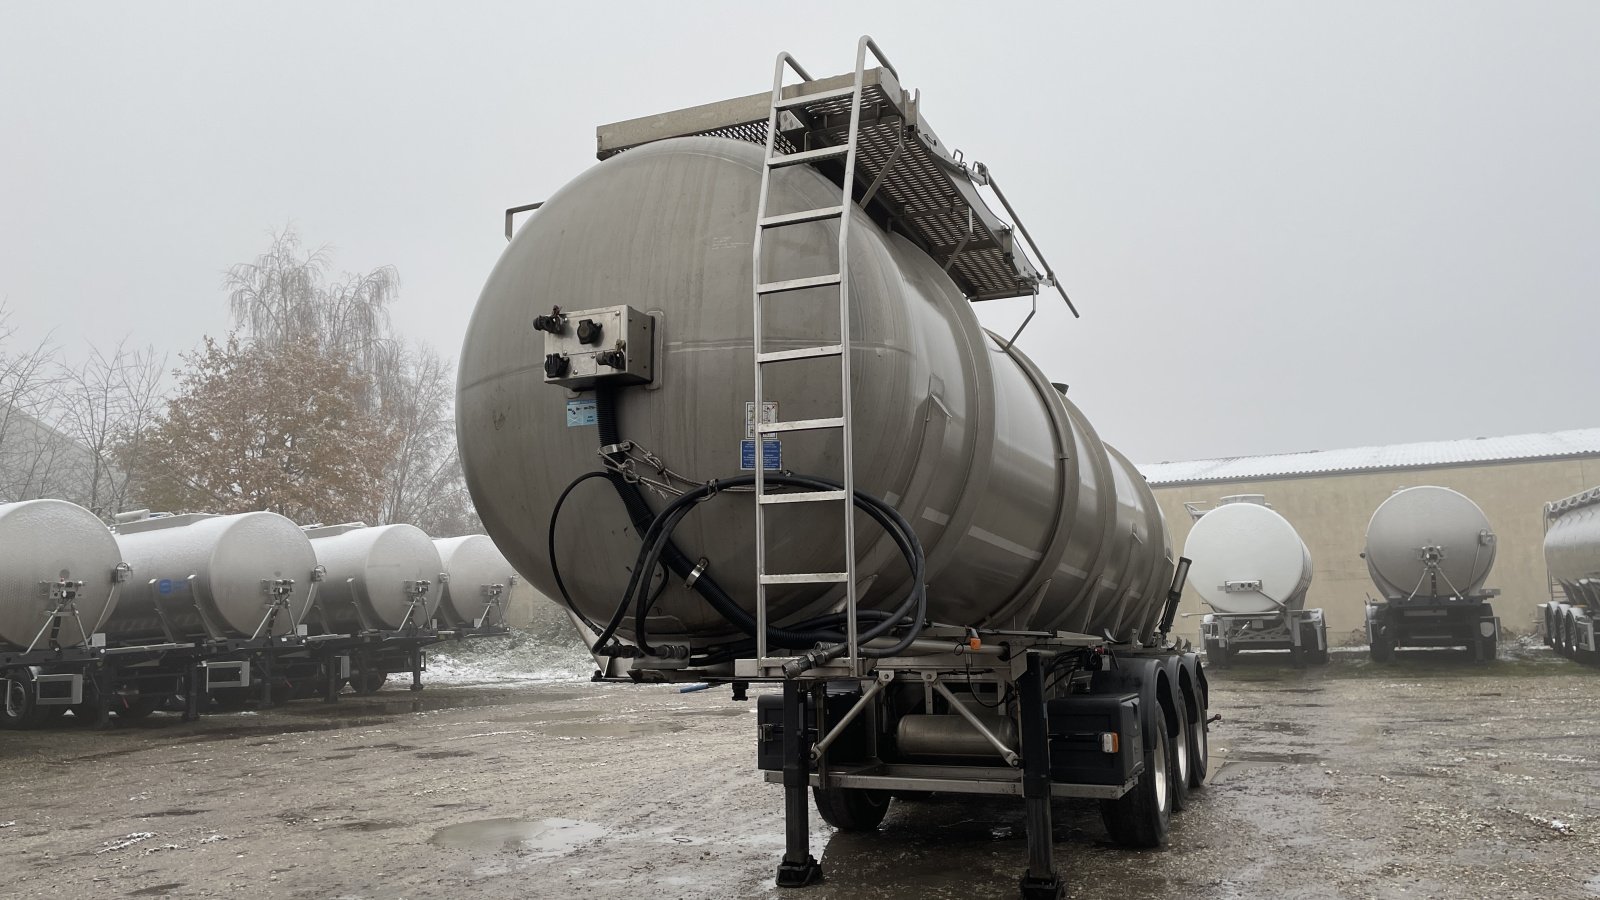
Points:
[(193, 611)]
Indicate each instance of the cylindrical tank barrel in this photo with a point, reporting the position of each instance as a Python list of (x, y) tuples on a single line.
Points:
[(199, 577), (1572, 546), (1247, 559), (1429, 541), (1026, 517), (479, 582), (58, 565), (379, 578)]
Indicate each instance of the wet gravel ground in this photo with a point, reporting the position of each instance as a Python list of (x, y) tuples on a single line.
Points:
[(1427, 778)]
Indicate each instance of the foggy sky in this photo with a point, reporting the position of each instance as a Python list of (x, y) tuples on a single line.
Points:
[(1288, 226)]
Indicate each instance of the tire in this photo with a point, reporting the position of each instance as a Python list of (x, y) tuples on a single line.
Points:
[(1199, 750), (369, 682), (1140, 817), (1216, 655), (1382, 649), (851, 809), (18, 709), (1182, 763), (1549, 627)]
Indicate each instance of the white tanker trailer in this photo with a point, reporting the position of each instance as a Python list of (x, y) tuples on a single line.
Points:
[(1253, 570), (1429, 550), (707, 328), (477, 584), (60, 577), (1572, 555)]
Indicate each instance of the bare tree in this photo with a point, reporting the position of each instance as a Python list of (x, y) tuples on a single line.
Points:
[(31, 454), (424, 484), (104, 405), (286, 298)]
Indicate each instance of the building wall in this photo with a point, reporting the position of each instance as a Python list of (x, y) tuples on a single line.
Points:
[(1331, 513)]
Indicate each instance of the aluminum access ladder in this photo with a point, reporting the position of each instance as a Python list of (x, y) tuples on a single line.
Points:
[(806, 290)]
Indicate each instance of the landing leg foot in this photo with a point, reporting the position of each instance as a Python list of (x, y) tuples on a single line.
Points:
[(794, 875)]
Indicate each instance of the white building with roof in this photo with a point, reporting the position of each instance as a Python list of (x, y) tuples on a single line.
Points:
[(1329, 495)]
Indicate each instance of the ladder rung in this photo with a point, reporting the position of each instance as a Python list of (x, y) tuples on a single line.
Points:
[(797, 284), (818, 97), (808, 215), (801, 497), (801, 353), (808, 156), (806, 578), (800, 425)]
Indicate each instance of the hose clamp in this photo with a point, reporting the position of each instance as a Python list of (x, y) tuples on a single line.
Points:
[(694, 574)]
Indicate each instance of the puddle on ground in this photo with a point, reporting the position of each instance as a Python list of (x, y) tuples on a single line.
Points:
[(161, 813), (542, 836)]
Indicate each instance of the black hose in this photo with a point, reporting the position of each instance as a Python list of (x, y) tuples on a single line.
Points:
[(660, 549), (555, 567), (905, 539)]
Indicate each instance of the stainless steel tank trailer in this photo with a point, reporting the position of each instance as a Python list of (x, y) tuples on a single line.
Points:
[(1253, 570), (752, 323), (1429, 550), (1572, 555)]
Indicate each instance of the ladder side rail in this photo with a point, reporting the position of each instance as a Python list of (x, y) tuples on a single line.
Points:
[(852, 156), (784, 61)]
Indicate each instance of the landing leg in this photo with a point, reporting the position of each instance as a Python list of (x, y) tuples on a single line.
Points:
[(799, 868), (416, 669), (1040, 882), (192, 692), (331, 677)]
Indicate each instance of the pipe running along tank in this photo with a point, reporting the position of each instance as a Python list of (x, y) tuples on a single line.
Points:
[(59, 574), (1429, 542), (479, 581), (209, 577), (1027, 519), (1248, 559), (378, 578)]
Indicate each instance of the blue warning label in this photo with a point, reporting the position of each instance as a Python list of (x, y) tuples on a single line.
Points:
[(771, 455)]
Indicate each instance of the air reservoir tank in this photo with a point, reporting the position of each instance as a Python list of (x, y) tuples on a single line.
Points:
[(1429, 542), (379, 578), (1572, 546), (200, 576), (479, 583), (1028, 520), (54, 556), (1247, 559)]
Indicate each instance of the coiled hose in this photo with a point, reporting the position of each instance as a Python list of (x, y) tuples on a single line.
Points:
[(657, 547)]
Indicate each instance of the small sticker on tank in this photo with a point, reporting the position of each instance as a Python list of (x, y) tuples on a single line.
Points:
[(582, 411), (771, 455)]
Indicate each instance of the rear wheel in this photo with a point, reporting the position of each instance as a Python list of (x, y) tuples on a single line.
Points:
[(1140, 817), (1199, 750), (369, 682), (851, 809), (1216, 654), (1382, 648), (1181, 762), (19, 707)]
